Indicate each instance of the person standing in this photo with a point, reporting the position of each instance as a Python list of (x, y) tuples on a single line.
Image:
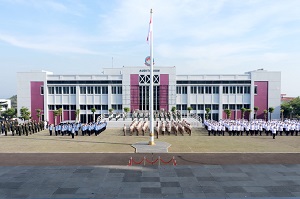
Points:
[(274, 131), (50, 129)]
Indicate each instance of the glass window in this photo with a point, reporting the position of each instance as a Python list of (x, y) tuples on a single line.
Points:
[(215, 107), (73, 90), (184, 90), (215, 89), (232, 106), (113, 90), (98, 90), (239, 106), (200, 89), (200, 107), (225, 89), (208, 106), (208, 89), (89, 107), (178, 90), (98, 107), (51, 107), (247, 89), (232, 90), (193, 89), (105, 107), (178, 107), (58, 90), (225, 106), (65, 90), (194, 106), (119, 89), (42, 90), (255, 89), (82, 90), (90, 90), (184, 107), (72, 107), (58, 107), (247, 106), (51, 90), (82, 107), (104, 90)]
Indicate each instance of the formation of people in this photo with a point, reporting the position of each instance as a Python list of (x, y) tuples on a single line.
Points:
[(253, 127), (75, 129), (26, 128)]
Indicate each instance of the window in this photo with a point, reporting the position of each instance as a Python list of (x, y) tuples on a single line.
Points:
[(90, 90), (232, 106), (208, 106), (73, 90), (215, 107), (116, 89), (207, 89), (51, 90), (114, 106), (58, 90), (239, 106), (72, 107), (66, 107), (98, 90), (239, 89), (58, 107), (247, 106), (178, 90), (178, 107), (120, 107), (89, 107), (82, 107), (200, 107), (200, 89), (105, 107), (184, 90), (82, 90), (51, 107), (232, 89), (119, 90), (193, 89), (104, 90), (225, 106), (194, 106), (225, 89), (65, 90), (255, 89), (215, 90), (184, 107), (42, 90), (247, 89), (98, 107)]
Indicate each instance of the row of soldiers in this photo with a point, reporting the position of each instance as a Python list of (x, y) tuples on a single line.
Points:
[(74, 129), (254, 127), (25, 128), (158, 115)]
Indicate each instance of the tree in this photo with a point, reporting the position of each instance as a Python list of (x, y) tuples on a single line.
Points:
[(249, 112), (60, 112), (228, 113), (9, 113), (126, 110), (271, 110), (77, 113), (38, 114), (93, 110), (291, 108), (265, 114), (255, 111), (189, 109), (111, 110), (207, 110), (25, 113), (281, 111), (173, 109), (243, 110), (55, 113)]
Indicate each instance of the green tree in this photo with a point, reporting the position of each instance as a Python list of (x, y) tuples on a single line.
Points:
[(55, 113), (173, 109), (255, 111), (38, 114), (77, 113), (207, 111), (93, 110), (265, 114), (25, 113), (249, 112), (228, 113), (243, 110), (189, 109), (126, 109), (111, 110), (281, 113), (271, 110), (9, 113), (60, 113)]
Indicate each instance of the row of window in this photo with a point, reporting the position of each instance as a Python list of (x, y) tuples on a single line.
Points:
[(93, 89), (214, 89), (61, 90), (83, 90), (202, 107), (64, 107)]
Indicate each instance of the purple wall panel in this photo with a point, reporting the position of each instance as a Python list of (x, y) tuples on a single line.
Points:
[(134, 92), (37, 100), (164, 91), (51, 117), (66, 115), (73, 117), (261, 98)]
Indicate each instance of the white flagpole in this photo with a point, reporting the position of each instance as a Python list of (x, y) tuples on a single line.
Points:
[(151, 142)]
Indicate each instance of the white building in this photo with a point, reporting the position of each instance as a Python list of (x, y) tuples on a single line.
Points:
[(129, 87), (5, 104)]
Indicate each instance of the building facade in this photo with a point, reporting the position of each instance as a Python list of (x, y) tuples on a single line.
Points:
[(117, 88)]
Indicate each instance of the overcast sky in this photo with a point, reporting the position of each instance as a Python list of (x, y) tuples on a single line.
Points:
[(196, 36)]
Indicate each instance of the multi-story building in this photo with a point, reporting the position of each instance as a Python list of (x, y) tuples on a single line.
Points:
[(117, 88)]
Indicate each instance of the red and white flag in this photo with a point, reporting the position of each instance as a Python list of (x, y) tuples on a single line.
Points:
[(150, 30)]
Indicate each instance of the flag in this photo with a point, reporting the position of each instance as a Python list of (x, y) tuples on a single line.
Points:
[(150, 30)]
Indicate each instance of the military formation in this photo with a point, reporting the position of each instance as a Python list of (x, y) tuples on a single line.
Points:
[(92, 128), (253, 128), (26, 128)]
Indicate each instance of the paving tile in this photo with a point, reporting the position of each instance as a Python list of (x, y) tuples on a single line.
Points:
[(151, 195), (150, 184), (10, 185), (129, 195), (173, 195), (170, 184), (66, 190), (216, 195), (152, 190), (171, 190), (150, 179), (192, 189), (238, 195), (296, 194), (184, 172), (213, 189), (234, 189), (129, 190), (254, 189)]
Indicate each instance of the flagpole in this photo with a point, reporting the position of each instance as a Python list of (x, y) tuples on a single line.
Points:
[(151, 142)]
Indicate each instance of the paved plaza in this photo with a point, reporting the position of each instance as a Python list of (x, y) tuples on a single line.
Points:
[(52, 170)]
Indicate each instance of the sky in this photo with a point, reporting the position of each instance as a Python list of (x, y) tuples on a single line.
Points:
[(195, 36)]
